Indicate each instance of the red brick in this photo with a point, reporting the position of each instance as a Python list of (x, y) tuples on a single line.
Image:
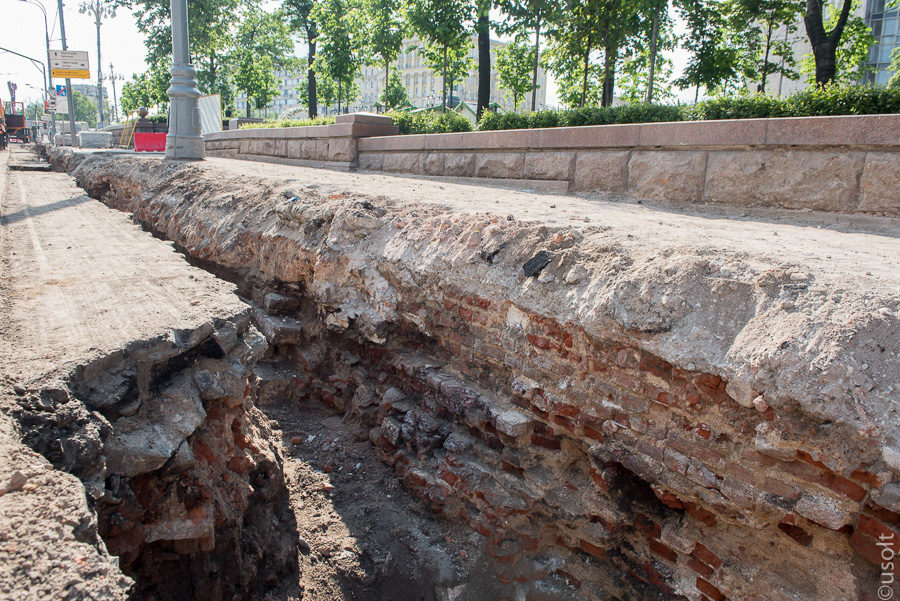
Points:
[(711, 591), (592, 549), (239, 464), (700, 514), (885, 515), (545, 442), (647, 525), (740, 472), (797, 533), (589, 432), (565, 422), (780, 488), (866, 547), (662, 550), (668, 499), (845, 487), (656, 366), (700, 567), (875, 529), (540, 342), (703, 431), (706, 556), (866, 478)]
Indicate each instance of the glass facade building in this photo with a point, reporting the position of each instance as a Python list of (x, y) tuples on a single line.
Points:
[(885, 24)]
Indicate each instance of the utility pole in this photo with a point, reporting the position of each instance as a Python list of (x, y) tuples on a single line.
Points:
[(113, 77), (48, 75), (100, 10), (184, 140), (70, 95)]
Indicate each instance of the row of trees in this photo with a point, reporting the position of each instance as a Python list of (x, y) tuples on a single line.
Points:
[(594, 48)]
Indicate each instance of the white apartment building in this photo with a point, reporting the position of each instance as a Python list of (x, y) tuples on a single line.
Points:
[(423, 86)]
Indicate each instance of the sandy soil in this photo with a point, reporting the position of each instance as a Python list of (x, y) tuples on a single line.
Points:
[(81, 281)]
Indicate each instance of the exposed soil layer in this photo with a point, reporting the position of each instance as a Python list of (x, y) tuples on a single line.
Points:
[(621, 402)]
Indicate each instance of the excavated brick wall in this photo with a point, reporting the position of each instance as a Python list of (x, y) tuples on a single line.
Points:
[(584, 449)]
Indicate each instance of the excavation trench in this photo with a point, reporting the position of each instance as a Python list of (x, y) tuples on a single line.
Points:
[(576, 414)]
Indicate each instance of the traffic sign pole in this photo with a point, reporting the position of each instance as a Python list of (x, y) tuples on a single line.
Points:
[(69, 96)]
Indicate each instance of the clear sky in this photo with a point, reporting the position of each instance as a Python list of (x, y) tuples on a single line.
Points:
[(121, 44)]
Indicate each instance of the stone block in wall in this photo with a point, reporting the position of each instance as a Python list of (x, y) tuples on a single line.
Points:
[(500, 165), (256, 147), (308, 149), (321, 151), (880, 183), (601, 171), (371, 161), (402, 162), (459, 164), (294, 148), (244, 147), (549, 165), (94, 139), (279, 148), (433, 163), (667, 175), (791, 179), (342, 149)]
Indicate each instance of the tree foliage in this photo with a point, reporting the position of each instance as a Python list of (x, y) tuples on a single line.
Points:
[(147, 89), (342, 43), (442, 25), (755, 23), (85, 109), (514, 69), (714, 57), (395, 94), (262, 45), (894, 82), (302, 20)]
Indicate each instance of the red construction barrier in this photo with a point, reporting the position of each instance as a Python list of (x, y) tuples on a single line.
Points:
[(144, 142)]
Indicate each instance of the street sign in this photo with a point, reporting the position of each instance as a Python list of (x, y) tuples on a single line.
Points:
[(51, 101), (60, 91), (46, 117), (69, 63)]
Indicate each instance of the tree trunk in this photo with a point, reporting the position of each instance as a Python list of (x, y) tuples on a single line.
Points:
[(387, 74), (444, 82), (653, 44), (339, 96), (311, 79), (248, 107), (484, 64), (609, 75), (824, 44), (584, 78), (765, 65), (537, 44)]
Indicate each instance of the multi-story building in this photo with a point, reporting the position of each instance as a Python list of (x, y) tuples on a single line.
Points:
[(885, 24), (425, 87), (90, 91), (422, 85)]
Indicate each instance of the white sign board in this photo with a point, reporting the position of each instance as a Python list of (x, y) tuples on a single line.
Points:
[(210, 114), (69, 63)]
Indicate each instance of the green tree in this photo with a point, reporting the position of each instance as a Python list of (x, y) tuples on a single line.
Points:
[(301, 17), (85, 109), (395, 94), (636, 76), (453, 64), (147, 89), (578, 78), (261, 46), (34, 110), (342, 43), (210, 23), (442, 25), (714, 58), (385, 23), (514, 69), (529, 15), (825, 42), (850, 53), (894, 81), (756, 21)]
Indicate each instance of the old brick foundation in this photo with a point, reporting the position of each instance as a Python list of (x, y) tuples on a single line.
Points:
[(578, 448)]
